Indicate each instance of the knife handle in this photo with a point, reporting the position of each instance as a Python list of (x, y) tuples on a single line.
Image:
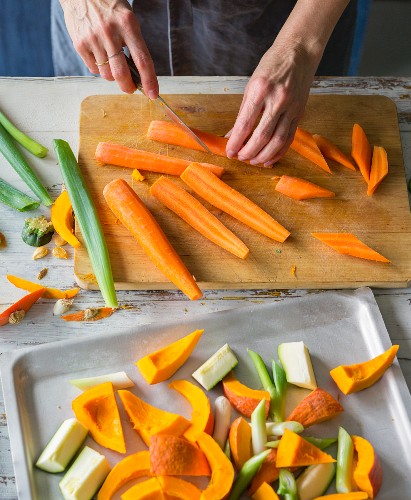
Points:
[(135, 75)]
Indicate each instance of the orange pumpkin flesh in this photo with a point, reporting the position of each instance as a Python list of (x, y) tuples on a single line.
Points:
[(368, 470), (175, 488), (147, 490), (268, 472), (265, 492), (240, 442)]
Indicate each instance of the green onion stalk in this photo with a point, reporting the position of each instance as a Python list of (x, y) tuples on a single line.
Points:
[(246, 474), (265, 379), (14, 198), (287, 485)]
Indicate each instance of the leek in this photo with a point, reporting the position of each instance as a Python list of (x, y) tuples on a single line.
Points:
[(321, 443), (14, 198), (287, 485), (278, 428), (246, 474), (280, 382), (265, 379), (258, 428), (345, 454), (16, 159), (87, 218), (30, 144)]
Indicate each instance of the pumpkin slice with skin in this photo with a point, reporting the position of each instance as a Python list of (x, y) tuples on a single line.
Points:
[(97, 410), (354, 378), (149, 420), (162, 364), (61, 217), (295, 451), (240, 442), (222, 470), (315, 408), (202, 417), (175, 488), (176, 456), (265, 492), (147, 490), (131, 467), (368, 471), (243, 398)]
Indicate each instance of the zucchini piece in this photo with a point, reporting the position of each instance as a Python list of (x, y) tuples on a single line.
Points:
[(296, 361), (216, 368), (315, 480)]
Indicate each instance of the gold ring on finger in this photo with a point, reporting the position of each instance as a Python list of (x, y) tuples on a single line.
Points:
[(102, 63)]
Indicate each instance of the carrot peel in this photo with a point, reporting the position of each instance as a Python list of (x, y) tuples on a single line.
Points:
[(300, 189), (48, 293), (131, 211)]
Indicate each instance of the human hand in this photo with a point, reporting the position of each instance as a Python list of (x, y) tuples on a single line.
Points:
[(279, 89), (99, 30)]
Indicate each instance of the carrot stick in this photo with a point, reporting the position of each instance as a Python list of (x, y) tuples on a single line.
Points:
[(379, 169), (122, 156), (300, 189), (131, 211), (349, 244), (224, 197), (305, 145), (361, 151), (194, 213), (48, 293), (89, 314), (24, 304), (331, 151)]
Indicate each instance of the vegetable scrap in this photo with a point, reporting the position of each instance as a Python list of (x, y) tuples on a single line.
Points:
[(40, 253), (42, 273), (91, 314), (60, 253), (293, 271), (37, 231), (14, 198), (16, 316), (62, 306), (137, 176), (48, 293), (24, 304)]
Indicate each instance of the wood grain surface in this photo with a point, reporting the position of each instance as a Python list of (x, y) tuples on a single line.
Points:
[(381, 221)]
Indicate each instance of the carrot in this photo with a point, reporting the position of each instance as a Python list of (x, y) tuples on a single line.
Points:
[(122, 156), (361, 151), (379, 169), (194, 213), (23, 304), (331, 151), (131, 211), (349, 244), (224, 197), (300, 189), (305, 145), (48, 293), (89, 314)]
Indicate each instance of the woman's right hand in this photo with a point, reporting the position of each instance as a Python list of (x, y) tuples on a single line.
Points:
[(99, 30)]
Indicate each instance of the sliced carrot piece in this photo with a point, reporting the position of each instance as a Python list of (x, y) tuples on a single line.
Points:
[(379, 169), (349, 244), (131, 211), (194, 213), (24, 304), (89, 314), (300, 189), (224, 197), (48, 293), (305, 145), (331, 151), (361, 151), (122, 156)]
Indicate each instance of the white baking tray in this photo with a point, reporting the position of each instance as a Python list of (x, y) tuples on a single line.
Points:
[(338, 327)]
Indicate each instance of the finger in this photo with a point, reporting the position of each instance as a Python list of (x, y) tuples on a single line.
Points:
[(90, 62), (142, 59), (121, 72), (252, 104), (228, 134), (103, 67), (279, 144)]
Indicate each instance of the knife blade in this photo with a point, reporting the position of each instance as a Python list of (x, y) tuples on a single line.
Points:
[(163, 105)]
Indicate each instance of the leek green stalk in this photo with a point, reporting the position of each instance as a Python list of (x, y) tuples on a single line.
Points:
[(27, 142), (280, 382), (14, 198), (287, 485), (87, 219), (258, 428), (265, 379), (345, 453), (246, 474)]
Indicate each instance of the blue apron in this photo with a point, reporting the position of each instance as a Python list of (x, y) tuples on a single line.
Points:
[(210, 37)]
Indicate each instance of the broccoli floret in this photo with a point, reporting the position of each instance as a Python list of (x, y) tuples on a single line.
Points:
[(37, 231)]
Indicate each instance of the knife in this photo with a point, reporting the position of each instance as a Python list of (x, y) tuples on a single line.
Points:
[(163, 105)]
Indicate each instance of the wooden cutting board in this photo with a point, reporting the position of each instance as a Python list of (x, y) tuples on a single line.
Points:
[(382, 221)]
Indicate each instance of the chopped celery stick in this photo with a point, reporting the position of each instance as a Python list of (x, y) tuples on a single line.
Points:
[(14, 198), (16, 159), (87, 219), (26, 141)]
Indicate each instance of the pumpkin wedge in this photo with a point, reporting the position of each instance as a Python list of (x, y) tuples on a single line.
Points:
[(162, 364), (147, 490), (62, 219), (149, 420), (315, 408), (222, 470), (240, 442), (295, 451), (131, 467), (354, 378), (368, 471), (202, 417), (243, 398), (175, 488), (354, 495), (265, 492), (176, 456), (97, 410)]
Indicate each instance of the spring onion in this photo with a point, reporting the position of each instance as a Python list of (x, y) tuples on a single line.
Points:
[(222, 420), (273, 444), (287, 486), (321, 443), (14, 198), (265, 379), (227, 449), (87, 218), (280, 382), (28, 143), (345, 453), (246, 474), (16, 159), (278, 428), (258, 428)]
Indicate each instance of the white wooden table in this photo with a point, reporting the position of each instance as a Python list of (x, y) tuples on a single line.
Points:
[(48, 108)]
